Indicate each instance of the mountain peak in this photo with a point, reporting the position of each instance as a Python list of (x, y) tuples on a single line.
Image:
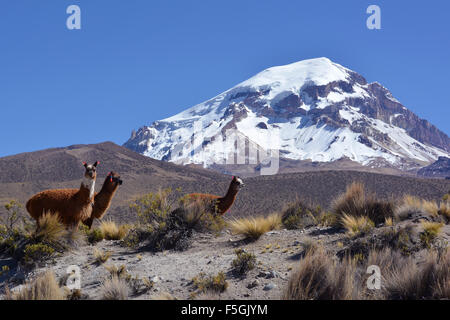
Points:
[(320, 110), (319, 71)]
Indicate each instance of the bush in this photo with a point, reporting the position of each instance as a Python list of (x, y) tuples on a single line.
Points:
[(298, 215), (119, 271), (111, 231), (153, 206), (95, 235), (404, 239), (140, 286), (114, 289), (354, 202), (50, 229), (356, 226), (244, 262), (319, 277), (430, 232), (101, 256), (45, 287), (162, 228), (37, 253), (412, 205), (253, 228), (430, 280), (32, 247), (204, 283)]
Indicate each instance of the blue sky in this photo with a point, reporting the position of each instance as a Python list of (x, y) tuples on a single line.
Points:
[(137, 61)]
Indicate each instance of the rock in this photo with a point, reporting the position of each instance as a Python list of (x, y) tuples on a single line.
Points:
[(262, 274), (155, 279), (273, 274), (253, 284), (269, 286)]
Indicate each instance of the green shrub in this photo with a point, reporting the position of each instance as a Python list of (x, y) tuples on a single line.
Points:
[(95, 235), (298, 215), (153, 206), (430, 232), (36, 253), (211, 283), (161, 228), (244, 262)]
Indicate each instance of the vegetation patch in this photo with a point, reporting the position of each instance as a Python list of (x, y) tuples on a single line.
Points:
[(430, 232), (356, 226), (210, 283), (31, 245), (298, 215), (44, 287), (161, 227), (253, 228), (243, 263), (356, 203), (114, 288)]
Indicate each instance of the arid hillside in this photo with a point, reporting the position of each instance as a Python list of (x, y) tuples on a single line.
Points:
[(25, 174)]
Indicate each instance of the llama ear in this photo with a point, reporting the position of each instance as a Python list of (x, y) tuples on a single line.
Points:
[(96, 163), (84, 164)]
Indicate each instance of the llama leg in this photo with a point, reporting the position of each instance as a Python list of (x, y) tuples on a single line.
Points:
[(89, 222)]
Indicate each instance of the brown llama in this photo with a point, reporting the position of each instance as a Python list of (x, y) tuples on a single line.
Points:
[(102, 200), (222, 204), (71, 205)]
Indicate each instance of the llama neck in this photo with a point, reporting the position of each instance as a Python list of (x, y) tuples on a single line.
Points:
[(231, 195), (102, 201), (89, 184)]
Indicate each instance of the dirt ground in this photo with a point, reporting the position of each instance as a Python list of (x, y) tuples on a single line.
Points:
[(277, 253)]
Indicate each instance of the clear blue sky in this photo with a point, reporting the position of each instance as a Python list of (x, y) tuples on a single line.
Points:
[(137, 61)]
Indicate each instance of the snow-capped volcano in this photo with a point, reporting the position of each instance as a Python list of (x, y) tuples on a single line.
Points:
[(310, 110)]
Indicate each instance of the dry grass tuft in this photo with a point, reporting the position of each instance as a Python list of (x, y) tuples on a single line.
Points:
[(389, 222), (431, 280), (44, 287), (114, 288), (410, 205), (356, 225), (319, 277), (253, 228), (430, 232), (101, 256), (210, 283), (111, 231), (354, 202), (50, 229), (299, 215)]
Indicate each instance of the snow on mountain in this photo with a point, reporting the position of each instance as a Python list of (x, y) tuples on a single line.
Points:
[(309, 110)]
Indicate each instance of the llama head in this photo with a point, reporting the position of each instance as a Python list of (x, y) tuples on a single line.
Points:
[(91, 170), (112, 181), (237, 183)]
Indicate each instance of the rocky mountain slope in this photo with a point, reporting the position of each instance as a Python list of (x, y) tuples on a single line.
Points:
[(313, 110), (438, 169)]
